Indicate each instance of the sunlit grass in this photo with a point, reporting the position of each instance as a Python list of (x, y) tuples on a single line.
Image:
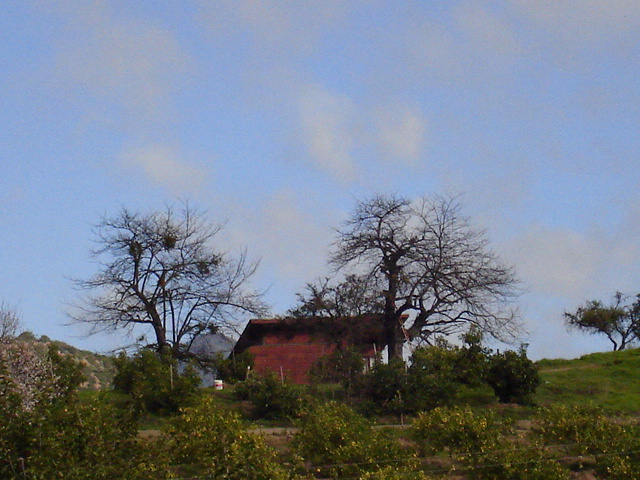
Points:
[(610, 380)]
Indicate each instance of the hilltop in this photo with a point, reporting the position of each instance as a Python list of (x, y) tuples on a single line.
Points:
[(98, 369), (606, 379)]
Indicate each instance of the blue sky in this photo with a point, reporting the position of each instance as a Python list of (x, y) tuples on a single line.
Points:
[(276, 116)]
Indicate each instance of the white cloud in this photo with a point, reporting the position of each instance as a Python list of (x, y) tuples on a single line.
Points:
[(581, 23), (555, 261), (483, 30), (123, 69), (281, 30), (472, 43), (290, 233), (401, 133), (163, 164), (296, 242), (328, 128), (132, 62)]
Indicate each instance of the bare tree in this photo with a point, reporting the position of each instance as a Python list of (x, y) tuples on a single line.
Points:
[(434, 273), (619, 321), (345, 312), (10, 323), (161, 271), (354, 296)]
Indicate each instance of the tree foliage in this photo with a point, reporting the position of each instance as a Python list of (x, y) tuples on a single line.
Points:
[(422, 266), (215, 442), (513, 377), (159, 270), (153, 381), (339, 443), (619, 321)]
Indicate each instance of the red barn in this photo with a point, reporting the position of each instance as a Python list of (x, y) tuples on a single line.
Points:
[(292, 346)]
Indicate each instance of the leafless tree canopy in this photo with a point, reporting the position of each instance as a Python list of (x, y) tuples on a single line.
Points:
[(431, 265), (355, 296), (160, 270), (9, 322)]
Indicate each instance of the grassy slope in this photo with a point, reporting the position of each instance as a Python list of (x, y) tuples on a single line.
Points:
[(610, 380), (98, 369)]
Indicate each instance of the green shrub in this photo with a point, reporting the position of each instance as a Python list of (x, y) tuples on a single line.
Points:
[(432, 378), (211, 443), (395, 473), (345, 367), (93, 441), (588, 431), (153, 382), (75, 441), (386, 387), (68, 370), (339, 443), (456, 430), (234, 368), (582, 430), (272, 397), (513, 377), (33, 382), (480, 449), (509, 462)]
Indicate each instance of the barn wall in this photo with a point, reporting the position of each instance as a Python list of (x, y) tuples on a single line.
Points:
[(293, 357)]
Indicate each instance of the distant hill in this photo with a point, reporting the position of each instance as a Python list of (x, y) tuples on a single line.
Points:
[(610, 380), (98, 369)]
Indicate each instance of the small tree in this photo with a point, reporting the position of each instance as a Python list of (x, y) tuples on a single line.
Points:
[(513, 377), (9, 323), (345, 367), (154, 382), (159, 270), (619, 321)]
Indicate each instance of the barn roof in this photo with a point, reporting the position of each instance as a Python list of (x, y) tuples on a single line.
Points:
[(363, 329)]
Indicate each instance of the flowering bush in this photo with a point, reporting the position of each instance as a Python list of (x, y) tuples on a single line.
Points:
[(27, 377)]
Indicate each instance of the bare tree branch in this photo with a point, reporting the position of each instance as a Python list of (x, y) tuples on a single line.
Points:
[(160, 270), (429, 272)]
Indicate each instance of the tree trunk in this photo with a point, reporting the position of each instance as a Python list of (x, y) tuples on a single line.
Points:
[(393, 338), (391, 325)]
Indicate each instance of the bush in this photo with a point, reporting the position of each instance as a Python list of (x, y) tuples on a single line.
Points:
[(512, 463), (345, 367), (480, 448), (32, 383), (588, 431), (513, 377), (234, 368), (212, 443), (456, 430), (386, 387), (339, 443), (93, 441), (432, 378), (395, 473), (153, 382), (273, 398)]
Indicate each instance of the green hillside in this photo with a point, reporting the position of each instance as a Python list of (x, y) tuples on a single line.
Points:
[(610, 380), (98, 369)]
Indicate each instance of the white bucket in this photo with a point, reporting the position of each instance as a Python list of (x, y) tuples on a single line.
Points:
[(218, 384)]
